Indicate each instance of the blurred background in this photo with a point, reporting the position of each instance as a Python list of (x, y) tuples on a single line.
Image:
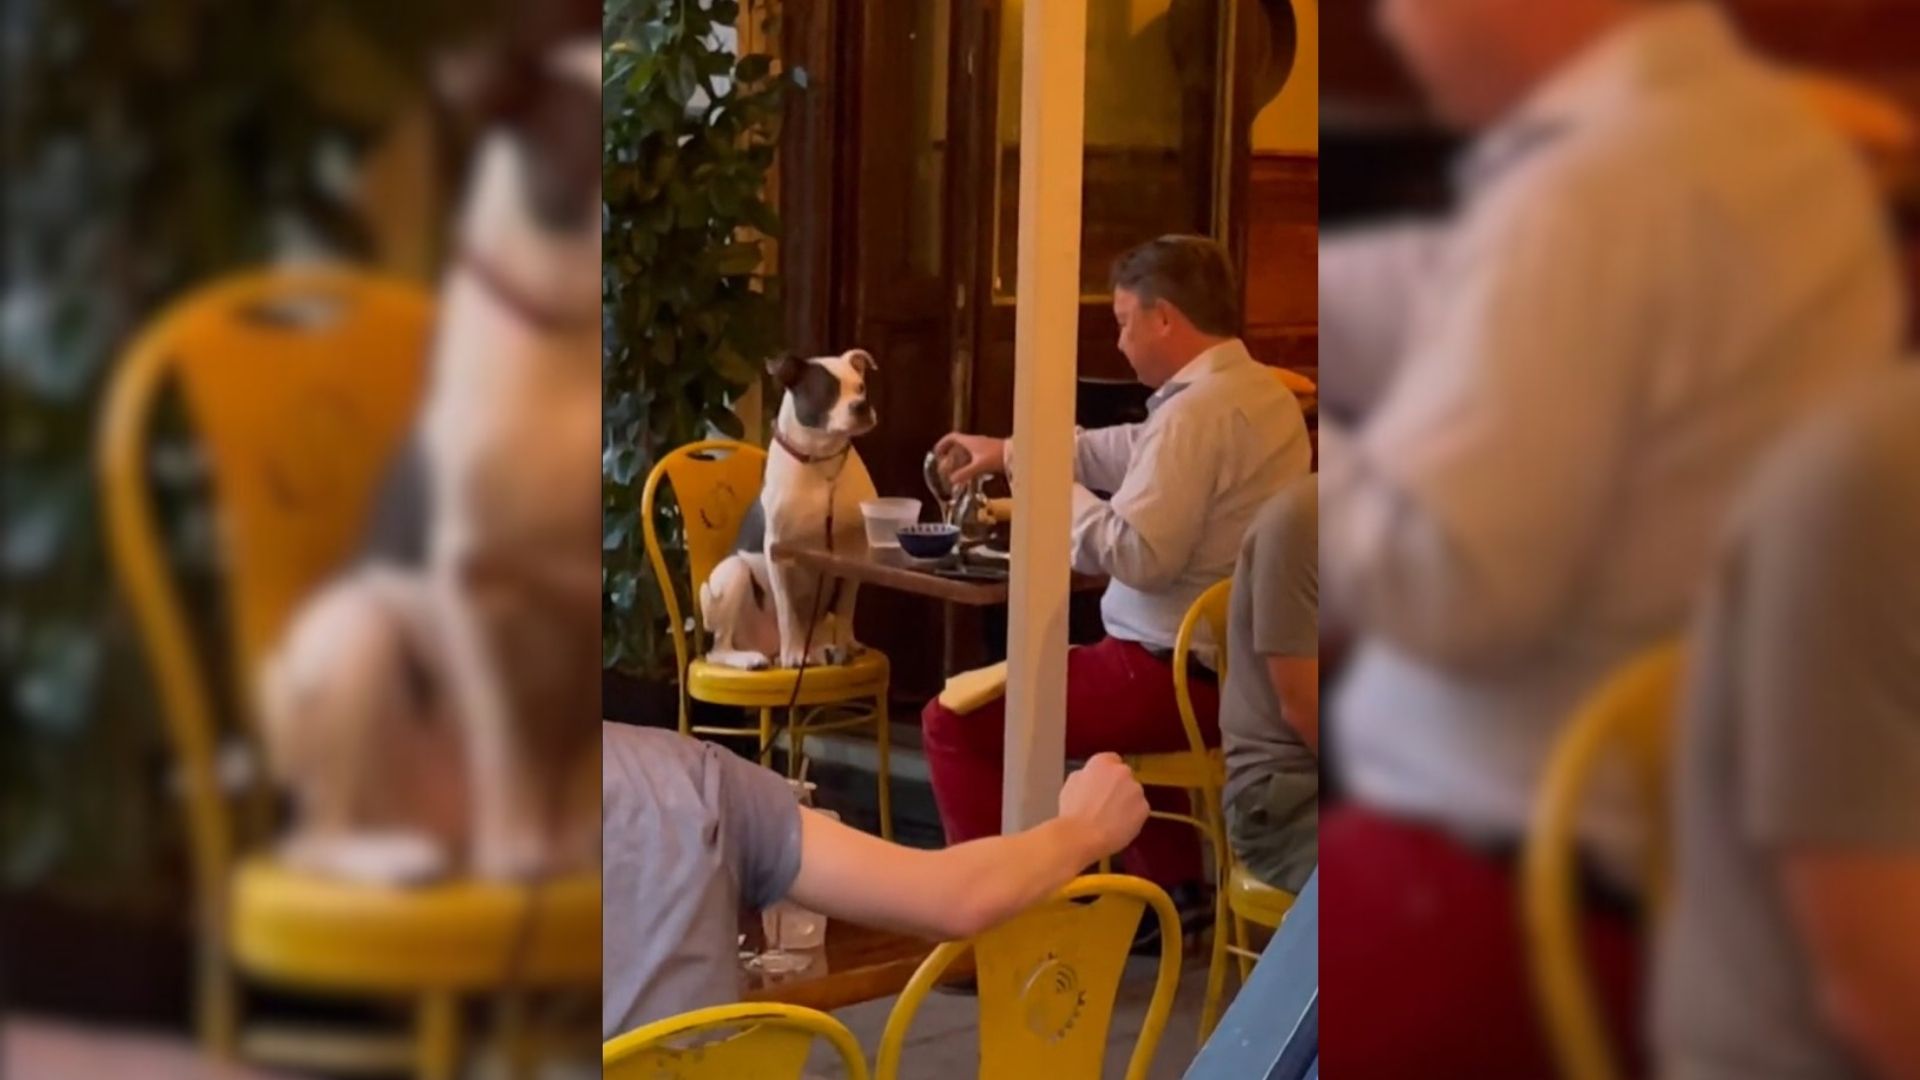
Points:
[(1512, 693), (151, 148)]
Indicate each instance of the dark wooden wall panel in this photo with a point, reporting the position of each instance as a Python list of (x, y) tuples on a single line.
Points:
[(1283, 264)]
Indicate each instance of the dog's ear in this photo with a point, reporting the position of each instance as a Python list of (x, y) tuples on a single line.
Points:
[(863, 362), (786, 370)]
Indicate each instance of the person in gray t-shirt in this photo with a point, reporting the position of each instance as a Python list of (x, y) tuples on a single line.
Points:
[(1791, 949), (1270, 705), (690, 832)]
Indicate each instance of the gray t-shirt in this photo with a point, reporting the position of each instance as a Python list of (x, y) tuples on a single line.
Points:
[(1800, 730), (689, 832), (1275, 612)]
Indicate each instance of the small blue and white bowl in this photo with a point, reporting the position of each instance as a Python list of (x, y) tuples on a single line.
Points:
[(931, 540)]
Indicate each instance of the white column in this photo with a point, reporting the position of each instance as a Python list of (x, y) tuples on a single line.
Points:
[(1046, 332)]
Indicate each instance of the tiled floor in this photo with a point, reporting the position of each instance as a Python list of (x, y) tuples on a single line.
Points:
[(38, 1049), (34, 1048), (942, 1044)]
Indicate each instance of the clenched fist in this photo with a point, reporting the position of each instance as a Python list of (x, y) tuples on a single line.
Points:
[(1105, 798)]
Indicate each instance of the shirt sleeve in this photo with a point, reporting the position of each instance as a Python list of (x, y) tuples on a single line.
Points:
[(1458, 515), (1280, 566), (761, 819), (1146, 533), (1369, 279), (1101, 455), (1830, 694)]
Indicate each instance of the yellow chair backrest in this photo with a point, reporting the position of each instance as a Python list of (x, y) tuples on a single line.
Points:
[(714, 482), (1205, 621), (1630, 717), (1303, 388), (770, 1041), (301, 387), (1047, 980)]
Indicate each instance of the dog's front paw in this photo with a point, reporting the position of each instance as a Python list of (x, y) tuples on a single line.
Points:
[(740, 659), (518, 855), (791, 658), (845, 654)]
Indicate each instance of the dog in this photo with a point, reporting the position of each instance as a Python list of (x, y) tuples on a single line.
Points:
[(762, 612), (441, 716)]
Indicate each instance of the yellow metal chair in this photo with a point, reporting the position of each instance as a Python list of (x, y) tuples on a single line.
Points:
[(1304, 389), (1048, 978), (714, 483), (771, 1042), (1248, 900), (1200, 770), (300, 386), (1630, 716)]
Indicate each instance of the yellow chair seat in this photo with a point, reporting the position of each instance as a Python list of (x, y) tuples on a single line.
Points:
[(865, 677), (1255, 900), (316, 932), (1179, 769)]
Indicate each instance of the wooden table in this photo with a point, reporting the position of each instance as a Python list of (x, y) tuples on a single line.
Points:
[(857, 964), (891, 568)]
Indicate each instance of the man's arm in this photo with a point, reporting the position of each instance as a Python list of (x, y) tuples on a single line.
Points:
[(1296, 680), (959, 891), (1829, 726), (1369, 282), (1101, 456), (1855, 912), (1458, 517), (1145, 534)]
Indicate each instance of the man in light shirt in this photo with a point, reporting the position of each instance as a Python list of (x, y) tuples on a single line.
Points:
[(1535, 416), (1222, 436)]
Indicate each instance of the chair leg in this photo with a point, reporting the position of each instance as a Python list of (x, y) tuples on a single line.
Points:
[(794, 743), (1244, 939), (883, 732), (436, 1037), (219, 1018), (766, 736), (514, 1035), (1216, 969)]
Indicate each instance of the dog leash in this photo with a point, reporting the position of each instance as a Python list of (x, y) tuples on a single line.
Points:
[(813, 617), (524, 305)]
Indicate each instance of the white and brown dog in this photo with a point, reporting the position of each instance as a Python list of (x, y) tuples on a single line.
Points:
[(761, 612), (442, 717)]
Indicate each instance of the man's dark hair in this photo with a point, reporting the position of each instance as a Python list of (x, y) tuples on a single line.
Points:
[(1190, 272)]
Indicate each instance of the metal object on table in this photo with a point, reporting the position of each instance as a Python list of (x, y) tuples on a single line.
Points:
[(973, 516), (934, 474), (967, 507)]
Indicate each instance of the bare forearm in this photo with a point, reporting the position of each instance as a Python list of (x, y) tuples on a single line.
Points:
[(952, 893), (1296, 682), (1886, 1040), (1854, 913), (996, 877)]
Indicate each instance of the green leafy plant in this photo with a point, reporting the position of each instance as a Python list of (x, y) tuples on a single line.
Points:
[(149, 148), (692, 125)]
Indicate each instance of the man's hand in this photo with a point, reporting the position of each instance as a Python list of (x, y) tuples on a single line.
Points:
[(1106, 801), (963, 457)]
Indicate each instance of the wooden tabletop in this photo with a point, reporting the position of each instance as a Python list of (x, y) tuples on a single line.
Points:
[(858, 963), (891, 568)]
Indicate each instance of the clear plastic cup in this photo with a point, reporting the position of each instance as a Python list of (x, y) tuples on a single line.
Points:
[(886, 517)]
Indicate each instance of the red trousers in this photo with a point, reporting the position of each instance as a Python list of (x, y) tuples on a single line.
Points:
[(1119, 698), (1423, 961)]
